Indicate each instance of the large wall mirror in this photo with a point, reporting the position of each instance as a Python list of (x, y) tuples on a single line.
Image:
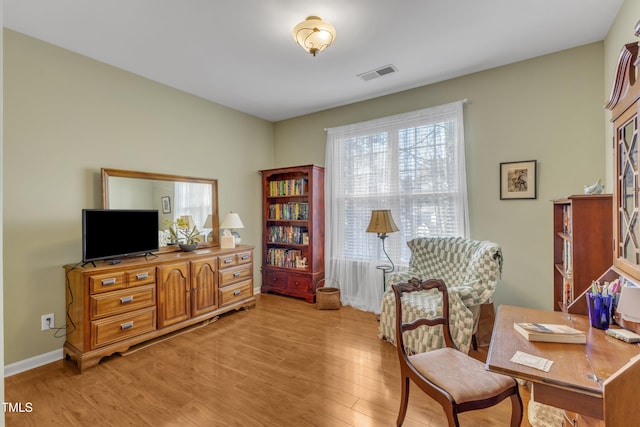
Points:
[(171, 195)]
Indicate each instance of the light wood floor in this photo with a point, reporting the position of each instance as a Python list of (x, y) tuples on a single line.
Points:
[(283, 363)]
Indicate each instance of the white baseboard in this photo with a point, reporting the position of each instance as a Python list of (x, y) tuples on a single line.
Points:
[(33, 362)]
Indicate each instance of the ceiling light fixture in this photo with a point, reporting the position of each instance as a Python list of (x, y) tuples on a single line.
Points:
[(314, 35)]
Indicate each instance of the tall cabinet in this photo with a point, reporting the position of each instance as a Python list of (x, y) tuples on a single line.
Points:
[(582, 241), (624, 105), (293, 230)]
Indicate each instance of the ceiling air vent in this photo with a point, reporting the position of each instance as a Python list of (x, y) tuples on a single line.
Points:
[(379, 72)]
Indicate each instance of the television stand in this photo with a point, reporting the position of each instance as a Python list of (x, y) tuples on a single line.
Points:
[(115, 307)]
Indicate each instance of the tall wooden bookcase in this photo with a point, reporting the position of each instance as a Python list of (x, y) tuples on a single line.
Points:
[(582, 247), (293, 230)]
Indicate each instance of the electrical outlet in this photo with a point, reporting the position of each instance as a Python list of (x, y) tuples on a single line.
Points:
[(48, 321)]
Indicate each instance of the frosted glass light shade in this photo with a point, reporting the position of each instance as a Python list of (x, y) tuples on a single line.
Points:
[(314, 35)]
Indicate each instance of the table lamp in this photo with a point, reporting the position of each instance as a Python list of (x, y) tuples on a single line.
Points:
[(629, 303), (208, 225), (382, 223), (231, 221)]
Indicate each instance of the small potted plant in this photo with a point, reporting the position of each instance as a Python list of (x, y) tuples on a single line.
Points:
[(180, 232), (173, 232)]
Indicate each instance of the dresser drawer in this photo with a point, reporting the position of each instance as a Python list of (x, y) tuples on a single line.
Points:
[(236, 292), (234, 274), (106, 282), (108, 304), (239, 258), (275, 280), (227, 261), (299, 283), (141, 277), (118, 328), (244, 257)]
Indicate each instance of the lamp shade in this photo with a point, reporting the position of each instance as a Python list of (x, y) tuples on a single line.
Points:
[(232, 220), (629, 304), (314, 35), (208, 223), (381, 222)]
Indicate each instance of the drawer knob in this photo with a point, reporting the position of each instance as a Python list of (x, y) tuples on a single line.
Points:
[(126, 326), (236, 292), (107, 282), (227, 260), (141, 276), (245, 256), (236, 274), (126, 300)]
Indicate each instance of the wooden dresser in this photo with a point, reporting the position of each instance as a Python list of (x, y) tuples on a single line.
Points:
[(113, 307)]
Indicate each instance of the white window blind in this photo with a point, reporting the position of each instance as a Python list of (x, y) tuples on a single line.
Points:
[(193, 199), (412, 164)]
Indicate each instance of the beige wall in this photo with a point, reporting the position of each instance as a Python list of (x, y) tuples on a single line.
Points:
[(547, 109), (66, 116), (1, 210)]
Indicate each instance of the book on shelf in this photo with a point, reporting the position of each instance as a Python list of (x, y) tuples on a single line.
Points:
[(289, 187), (548, 332), (289, 211)]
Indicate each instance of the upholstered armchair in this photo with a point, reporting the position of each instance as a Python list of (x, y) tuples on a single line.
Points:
[(469, 268)]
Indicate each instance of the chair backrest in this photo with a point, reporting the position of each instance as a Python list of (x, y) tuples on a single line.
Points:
[(401, 326), (472, 264)]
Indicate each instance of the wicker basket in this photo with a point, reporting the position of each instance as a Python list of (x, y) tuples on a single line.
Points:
[(327, 298)]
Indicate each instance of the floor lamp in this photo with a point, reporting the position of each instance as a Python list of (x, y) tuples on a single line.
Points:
[(382, 223)]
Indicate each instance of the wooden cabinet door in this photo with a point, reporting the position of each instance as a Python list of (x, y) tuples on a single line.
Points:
[(174, 304), (624, 103), (204, 286), (626, 218)]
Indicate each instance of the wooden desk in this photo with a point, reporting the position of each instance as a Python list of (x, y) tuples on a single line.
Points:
[(575, 380)]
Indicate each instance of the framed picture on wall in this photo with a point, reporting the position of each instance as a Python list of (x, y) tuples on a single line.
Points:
[(518, 180), (166, 205)]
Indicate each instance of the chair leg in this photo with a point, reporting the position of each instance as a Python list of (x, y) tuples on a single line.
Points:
[(404, 401), (474, 342), (516, 410), (452, 417)]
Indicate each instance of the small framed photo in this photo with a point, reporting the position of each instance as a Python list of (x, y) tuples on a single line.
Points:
[(518, 180), (166, 205)]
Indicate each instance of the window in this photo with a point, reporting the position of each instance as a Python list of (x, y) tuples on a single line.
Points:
[(410, 163), (193, 199)]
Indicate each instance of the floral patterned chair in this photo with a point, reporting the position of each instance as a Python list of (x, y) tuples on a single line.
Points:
[(469, 268)]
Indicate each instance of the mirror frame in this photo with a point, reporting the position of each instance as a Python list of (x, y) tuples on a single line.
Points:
[(121, 173)]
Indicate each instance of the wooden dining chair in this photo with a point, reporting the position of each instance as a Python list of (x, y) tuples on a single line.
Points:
[(455, 380)]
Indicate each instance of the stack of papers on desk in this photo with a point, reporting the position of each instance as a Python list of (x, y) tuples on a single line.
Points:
[(547, 332)]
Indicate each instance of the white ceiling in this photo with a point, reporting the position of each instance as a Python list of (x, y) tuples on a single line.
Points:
[(240, 53)]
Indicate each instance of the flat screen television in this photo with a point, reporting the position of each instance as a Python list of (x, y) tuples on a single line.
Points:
[(117, 233)]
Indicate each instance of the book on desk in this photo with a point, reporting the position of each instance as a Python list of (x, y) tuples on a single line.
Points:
[(547, 332)]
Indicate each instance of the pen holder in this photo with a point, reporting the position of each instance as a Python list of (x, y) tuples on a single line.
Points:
[(599, 310)]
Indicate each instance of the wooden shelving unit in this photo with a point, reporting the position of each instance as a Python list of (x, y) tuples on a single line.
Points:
[(582, 247), (293, 230)]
